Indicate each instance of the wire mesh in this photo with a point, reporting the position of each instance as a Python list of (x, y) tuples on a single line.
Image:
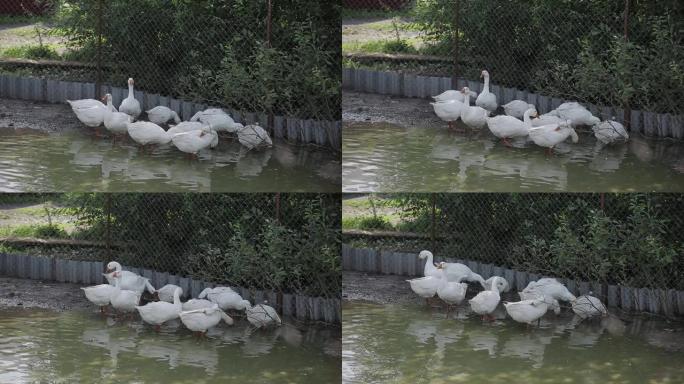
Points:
[(620, 54), (274, 57), (286, 243), (624, 239)]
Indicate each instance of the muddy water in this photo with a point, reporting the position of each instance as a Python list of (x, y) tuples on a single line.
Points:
[(79, 161), (410, 344), (382, 157), (80, 346)]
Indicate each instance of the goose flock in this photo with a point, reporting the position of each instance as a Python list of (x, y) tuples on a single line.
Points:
[(188, 136), (520, 119), (449, 282), (125, 288)]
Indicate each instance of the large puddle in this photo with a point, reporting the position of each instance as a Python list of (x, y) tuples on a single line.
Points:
[(44, 346), (381, 157), (411, 344), (79, 161)]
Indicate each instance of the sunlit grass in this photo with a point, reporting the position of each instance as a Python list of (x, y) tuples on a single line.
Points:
[(33, 52)]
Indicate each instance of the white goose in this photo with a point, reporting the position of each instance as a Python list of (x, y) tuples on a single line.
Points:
[(130, 105), (115, 122), (430, 269), (262, 315), (587, 306), (508, 127), (159, 312), (546, 119), (99, 295), (550, 135), (167, 292), (187, 126), (451, 292), (485, 302), (550, 289), (193, 304), (610, 131), (200, 320), (129, 280), (253, 136), (454, 95), (91, 116), (461, 272), (517, 108), (488, 284), (449, 110), (123, 300), (217, 118), (473, 116), (527, 311), (194, 141), (225, 297), (161, 115), (84, 103), (575, 112), (425, 287), (486, 99), (146, 133)]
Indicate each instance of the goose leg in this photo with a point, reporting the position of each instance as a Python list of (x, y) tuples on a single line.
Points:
[(506, 142), (157, 327)]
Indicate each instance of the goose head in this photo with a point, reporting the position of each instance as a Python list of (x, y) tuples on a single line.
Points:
[(573, 133), (484, 74), (113, 266), (424, 254), (131, 82)]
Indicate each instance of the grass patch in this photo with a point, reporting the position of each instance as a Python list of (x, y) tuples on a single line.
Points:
[(21, 19), (381, 46), (36, 230), (386, 26), (367, 223), (33, 52)]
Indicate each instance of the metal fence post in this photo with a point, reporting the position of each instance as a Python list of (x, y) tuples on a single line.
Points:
[(108, 226), (627, 113), (269, 23), (277, 207), (98, 65), (454, 76), (433, 222)]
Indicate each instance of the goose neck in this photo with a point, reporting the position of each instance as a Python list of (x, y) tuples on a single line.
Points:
[(486, 83), (130, 90)]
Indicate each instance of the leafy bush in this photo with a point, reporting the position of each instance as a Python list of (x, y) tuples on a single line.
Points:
[(216, 51), (226, 238), (635, 240), (572, 49), (367, 222), (33, 52)]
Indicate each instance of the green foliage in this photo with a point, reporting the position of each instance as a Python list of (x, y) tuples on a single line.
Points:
[(226, 238), (366, 222), (216, 51), (573, 49), (636, 240), (35, 230), (33, 52)]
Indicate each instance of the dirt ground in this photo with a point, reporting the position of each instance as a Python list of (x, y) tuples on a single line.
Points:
[(21, 115), (12, 215), (362, 30), (24, 293), (367, 107)]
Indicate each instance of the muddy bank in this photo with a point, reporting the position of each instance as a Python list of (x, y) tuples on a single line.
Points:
[(368, 107), (392, 289), (22, 115), (23, 293)]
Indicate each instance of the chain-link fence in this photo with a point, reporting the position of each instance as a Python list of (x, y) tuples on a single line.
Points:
[(272, 57), (287, 243), (627, 55), (624, 239)]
